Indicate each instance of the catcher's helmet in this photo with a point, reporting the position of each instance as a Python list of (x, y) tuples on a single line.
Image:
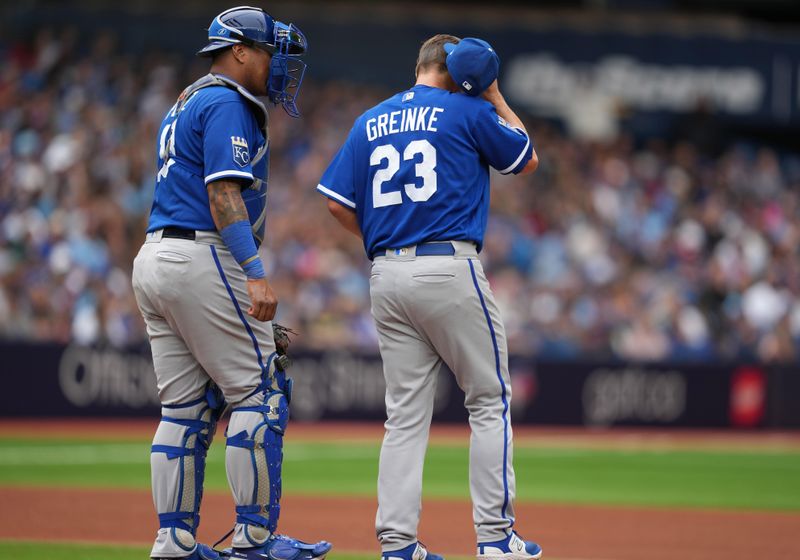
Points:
[(256, 28)]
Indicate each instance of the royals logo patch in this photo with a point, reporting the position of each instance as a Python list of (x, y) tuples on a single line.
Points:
[(241, 155)]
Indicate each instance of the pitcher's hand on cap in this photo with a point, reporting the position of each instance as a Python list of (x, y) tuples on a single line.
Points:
[(473, 64)]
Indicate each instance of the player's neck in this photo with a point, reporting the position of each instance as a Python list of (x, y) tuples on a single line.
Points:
[(432, 79), (229, 71)]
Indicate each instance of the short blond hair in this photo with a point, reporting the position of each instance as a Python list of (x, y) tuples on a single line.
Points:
[(432, 55)]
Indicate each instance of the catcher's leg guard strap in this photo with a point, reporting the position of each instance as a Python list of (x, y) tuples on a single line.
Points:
[(254, 457), (177, 461), (274, 379)]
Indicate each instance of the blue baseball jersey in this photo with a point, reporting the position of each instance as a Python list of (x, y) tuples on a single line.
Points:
[(214, 135), (415, 168)]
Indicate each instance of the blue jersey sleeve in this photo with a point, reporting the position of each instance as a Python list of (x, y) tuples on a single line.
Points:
[(227, 127), (338, 181), (506, 148)]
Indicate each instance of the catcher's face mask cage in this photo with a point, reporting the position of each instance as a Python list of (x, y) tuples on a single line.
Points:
[(286, 69), (285, 43)]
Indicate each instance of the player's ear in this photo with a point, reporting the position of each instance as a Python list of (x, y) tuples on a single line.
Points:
[(239, 52)]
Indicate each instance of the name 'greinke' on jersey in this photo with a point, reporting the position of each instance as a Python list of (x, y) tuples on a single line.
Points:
[(415, 167), (411, 119)]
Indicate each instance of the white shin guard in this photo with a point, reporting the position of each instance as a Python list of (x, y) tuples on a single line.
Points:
[(253, 460), (177, 463)]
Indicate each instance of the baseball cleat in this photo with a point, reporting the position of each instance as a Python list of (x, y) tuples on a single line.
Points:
[(280, 547), (201, 552), (412, 552), (513, 547)]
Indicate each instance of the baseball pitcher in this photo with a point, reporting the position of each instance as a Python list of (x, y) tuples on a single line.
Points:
[(413, 180)]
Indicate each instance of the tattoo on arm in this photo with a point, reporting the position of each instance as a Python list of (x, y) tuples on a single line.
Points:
[(226, 203)]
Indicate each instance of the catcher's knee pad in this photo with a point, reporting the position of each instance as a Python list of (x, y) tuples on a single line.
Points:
[(253, 459), (177, 460)]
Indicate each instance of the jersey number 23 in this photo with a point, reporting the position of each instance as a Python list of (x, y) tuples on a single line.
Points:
[(424, 169)]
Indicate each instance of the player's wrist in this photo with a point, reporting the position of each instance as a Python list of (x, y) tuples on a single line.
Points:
[(254, 269), (238, 237), (493, 96)]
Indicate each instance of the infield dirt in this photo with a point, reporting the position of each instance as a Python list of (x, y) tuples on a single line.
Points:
[(567, 532)]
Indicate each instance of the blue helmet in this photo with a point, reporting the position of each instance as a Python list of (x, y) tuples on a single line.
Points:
[(256, 28)]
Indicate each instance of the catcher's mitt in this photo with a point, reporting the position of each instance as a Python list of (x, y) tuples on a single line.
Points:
[(282, 341)]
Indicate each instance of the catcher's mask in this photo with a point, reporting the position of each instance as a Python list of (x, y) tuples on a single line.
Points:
[(256, 28)]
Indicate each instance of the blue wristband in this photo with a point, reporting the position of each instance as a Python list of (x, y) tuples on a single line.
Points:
[(239, 238)]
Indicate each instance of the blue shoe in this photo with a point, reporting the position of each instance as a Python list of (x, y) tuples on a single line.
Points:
[(513, 547), (280, 547), (412, 552), (205, 552), (201, 552)]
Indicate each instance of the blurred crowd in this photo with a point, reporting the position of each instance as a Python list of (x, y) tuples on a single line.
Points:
[(613, 249)]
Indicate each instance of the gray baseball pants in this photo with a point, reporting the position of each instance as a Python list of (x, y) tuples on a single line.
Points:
[(430, 310), (193, 297)]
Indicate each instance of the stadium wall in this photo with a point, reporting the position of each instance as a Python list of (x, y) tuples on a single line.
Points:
[(72, 380)]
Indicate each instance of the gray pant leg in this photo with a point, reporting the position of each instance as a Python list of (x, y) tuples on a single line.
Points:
[(235, 352), (450, 302), (179, 376), (477, 353), (410, 369)]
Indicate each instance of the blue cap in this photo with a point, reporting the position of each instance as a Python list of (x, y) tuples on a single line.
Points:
[(473, 64)]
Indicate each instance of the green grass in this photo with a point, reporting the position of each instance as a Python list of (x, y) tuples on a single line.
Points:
[(721, 479), (22, 550)]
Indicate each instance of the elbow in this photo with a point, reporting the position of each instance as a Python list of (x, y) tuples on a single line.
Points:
[(333, 208), (336, 209), (531, 166), (345, 216), (339, 211)]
